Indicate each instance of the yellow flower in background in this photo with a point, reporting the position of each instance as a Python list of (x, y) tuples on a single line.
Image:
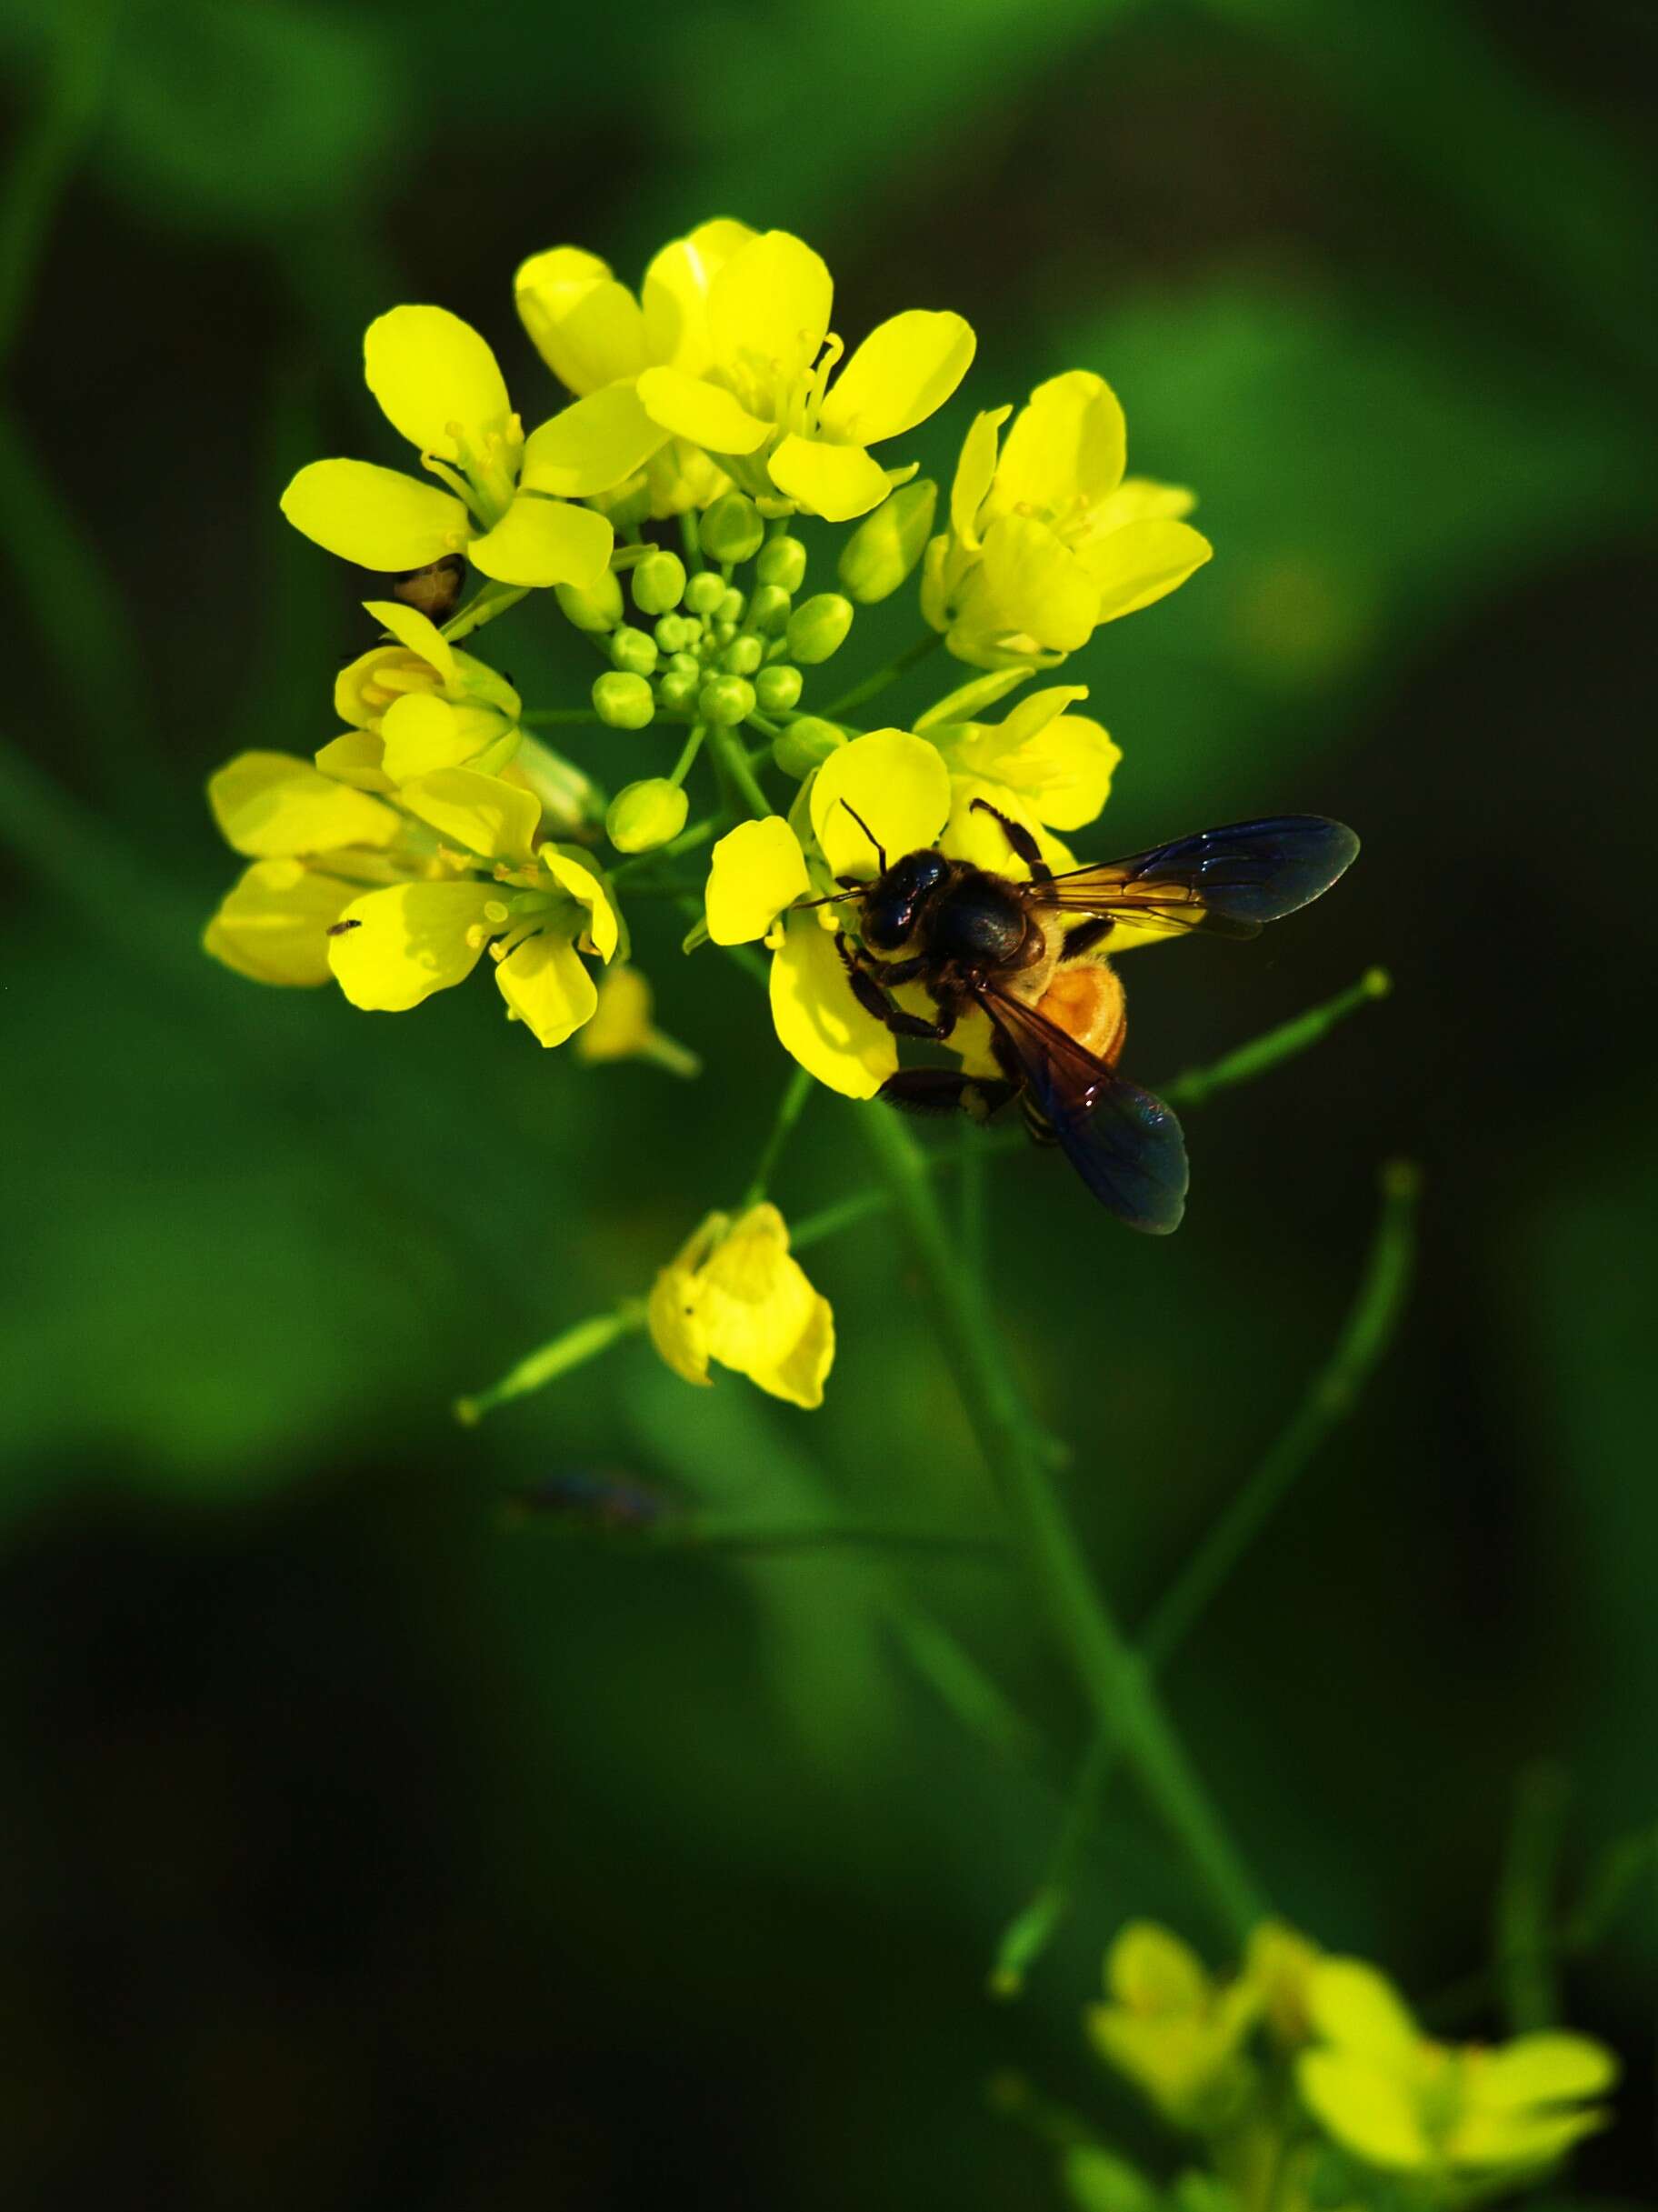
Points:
[(1047, 538), (1174, 2030), (438, 384), (1279, 1963), (730, 353), (1402, 2102), (734, 1295), (622, 1027), (415, 703)]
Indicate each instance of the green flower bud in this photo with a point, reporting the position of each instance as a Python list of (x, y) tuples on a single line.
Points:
[(768, 610), (645, 815), (818, 628), (778, 688), (673, 634), (676, 687), (732, 608), (806, 745), (726, 700), (722, 633), (885, 545), (598, 609), (625, 702), (632, 651), (687, 663), (781, 563), (743, 656), (704, 592), (659, 583), (732, 530)]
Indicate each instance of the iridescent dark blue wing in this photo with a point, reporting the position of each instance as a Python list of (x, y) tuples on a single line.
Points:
[(1231, 880), (1126, 1145)]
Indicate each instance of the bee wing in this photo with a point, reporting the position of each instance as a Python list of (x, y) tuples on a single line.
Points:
[(1126, 1145), (1228, 881)]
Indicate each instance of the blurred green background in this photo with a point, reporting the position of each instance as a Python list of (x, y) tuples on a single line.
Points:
[(361, 1851)]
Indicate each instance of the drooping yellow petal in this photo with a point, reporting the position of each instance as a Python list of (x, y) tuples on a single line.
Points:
[(1365, 2108), (970, 699), (756, 870), (357, 758), (417, 632), (542, 542), (903, 372), (409, 941), (973, 474), (603, 934), (585, 326), (485, 814), (1150, 1969), (591, 446), (1353, 2005), (1138, 499), (1534, 2139), (673, 1312), (817, 1019), (1028, 584), (761, 1315), (272, 806), (1140, 563), (1544, 2068), (706, 413), (419, 733), (837, 481), (375, 516), (543, 982), (1067, 448), (896, 783), (273, 925), (676, 293), (429, 370), (768, 313)]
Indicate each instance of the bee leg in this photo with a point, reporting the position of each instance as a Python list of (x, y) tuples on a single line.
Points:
[(1086, 935), (1021, 841), (871, 996), (944, 1090)]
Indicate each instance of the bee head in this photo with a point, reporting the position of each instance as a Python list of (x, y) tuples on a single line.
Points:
[(894, 902)]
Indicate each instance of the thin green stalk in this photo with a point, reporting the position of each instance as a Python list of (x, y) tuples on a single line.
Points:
[(1284, 1043), (1331, 1395), (1111, 1675), (493, 599), (732, 757), (872, 684), (791, 1106), (1524, 1944), (46, 152), (960, 1683), (688, 752), (573, 1349), (690, 537), (716, 1532), (688, 841)]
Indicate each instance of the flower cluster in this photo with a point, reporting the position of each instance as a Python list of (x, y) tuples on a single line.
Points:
[(655, 513), (1309, 2071)]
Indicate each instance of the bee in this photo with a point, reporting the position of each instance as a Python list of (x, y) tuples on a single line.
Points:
[(434, 590), (975, 940)]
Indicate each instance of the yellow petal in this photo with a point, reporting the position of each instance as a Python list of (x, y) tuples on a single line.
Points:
[(429, 370), (674, 1317), (603, 931), (272, 806), (622, 1027), (899, 785), (1544, 2068), (1140, 563), (356, 758), (761, 1316), (375, 516), (1060, 764), (541, 542), (585, 326), (705, 413), (676, 293), (1352, 2004), (488, 816), (409, 941), (1028, 584), (543, 982), (971, 700), (837, 481), (1365, 2108), (903, 372), (1138, 498), (757, 869), (768, 311), (361, 695), (1519, 2139), (420, 732), (974, 475), (818, 1019), (1150, 1969), (273, 925), (416, 631), (1068, 446), (592, 446), (977, 837)]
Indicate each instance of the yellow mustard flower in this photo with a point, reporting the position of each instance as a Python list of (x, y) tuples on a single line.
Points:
[(730, 353), (733, 1294), (622, 1027), (596, 336), (417, 703), (1057, 763), (1279, 1963), (1402, 2102), (508, 506), (1174, 2031), (1047, 538)]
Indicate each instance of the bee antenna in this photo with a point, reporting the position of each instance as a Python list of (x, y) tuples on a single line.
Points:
[(864, 825)]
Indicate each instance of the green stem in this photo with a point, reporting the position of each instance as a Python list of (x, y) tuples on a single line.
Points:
[(690, 537), (715, 1532), (682, 768), (492, 600), (1114, 1679), (573, 1349), (732, 756), (47, 151), (1524, 1915), (688, 841), (1284, 1043), (790, 1109), (1331, 1395), (927, 643)]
